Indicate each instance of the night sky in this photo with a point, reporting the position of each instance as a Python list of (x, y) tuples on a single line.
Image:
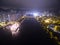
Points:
[(51, 5), (30, 3)]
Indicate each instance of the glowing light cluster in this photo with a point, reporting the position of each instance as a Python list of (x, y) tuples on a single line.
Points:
[(48, 21), (14, 27), (35, 14)]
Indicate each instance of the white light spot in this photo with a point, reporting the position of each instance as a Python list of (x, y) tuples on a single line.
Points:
[(35, 14)]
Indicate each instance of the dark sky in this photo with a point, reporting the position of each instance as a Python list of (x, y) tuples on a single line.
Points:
[(30, 3)]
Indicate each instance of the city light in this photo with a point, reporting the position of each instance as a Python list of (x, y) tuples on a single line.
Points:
[(35, 14), (14, 27), (48, 21)]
